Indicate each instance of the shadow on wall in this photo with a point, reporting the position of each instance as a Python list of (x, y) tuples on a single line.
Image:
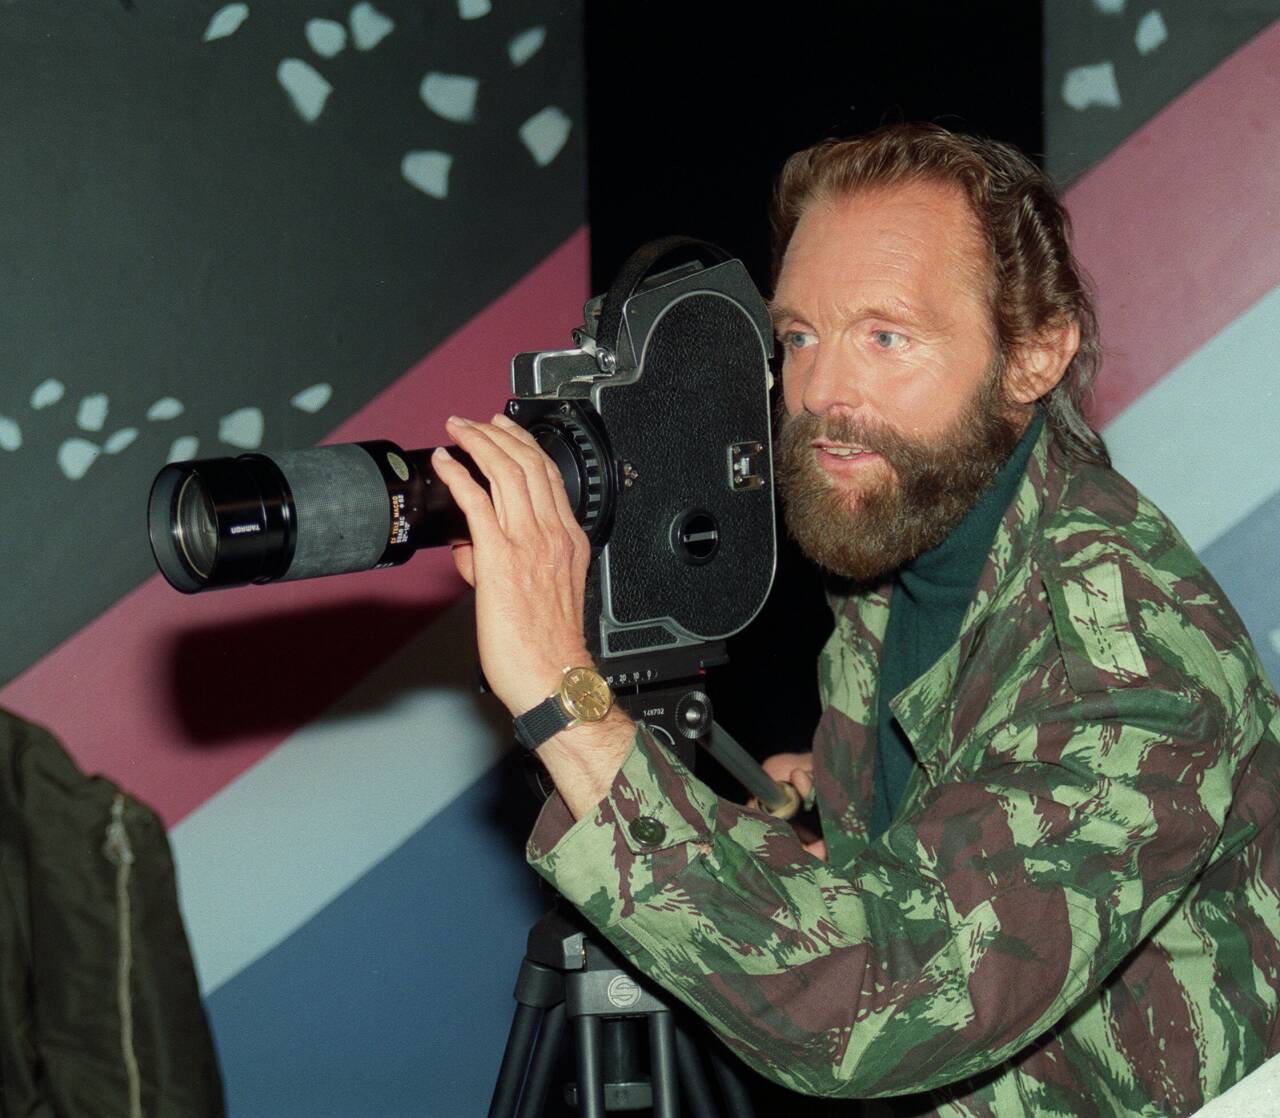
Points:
[(277, 671)]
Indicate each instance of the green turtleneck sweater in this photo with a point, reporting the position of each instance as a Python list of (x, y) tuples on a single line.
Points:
[(930, 597)]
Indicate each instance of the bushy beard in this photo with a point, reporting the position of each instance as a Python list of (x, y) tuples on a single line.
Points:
[(904, 512)]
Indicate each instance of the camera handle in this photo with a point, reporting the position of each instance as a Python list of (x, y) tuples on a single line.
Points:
[(639, 265), (693, 718)]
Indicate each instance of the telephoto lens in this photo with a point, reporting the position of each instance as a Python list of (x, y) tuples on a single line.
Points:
[(298, 514), (330, 510)]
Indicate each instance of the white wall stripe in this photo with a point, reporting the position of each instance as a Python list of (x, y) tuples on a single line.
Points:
[(264, 855), (1256, 1095), (1204, 442)]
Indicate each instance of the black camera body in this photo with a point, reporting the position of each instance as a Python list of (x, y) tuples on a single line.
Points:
[(658, 419)]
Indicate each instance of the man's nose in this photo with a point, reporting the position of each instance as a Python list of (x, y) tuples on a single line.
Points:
[(834, 384)]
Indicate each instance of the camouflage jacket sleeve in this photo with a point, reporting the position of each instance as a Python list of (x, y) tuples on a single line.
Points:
[(1079, 750), (998, 905)]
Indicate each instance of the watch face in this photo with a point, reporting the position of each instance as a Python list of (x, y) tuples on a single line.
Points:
[(585, 694)]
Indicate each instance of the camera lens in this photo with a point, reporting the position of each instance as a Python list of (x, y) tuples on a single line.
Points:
[(196, 526), (328, 510), (220, 522)]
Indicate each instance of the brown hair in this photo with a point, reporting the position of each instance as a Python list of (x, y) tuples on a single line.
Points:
[(1035, 280)]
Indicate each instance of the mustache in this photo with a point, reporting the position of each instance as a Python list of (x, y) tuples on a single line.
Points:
[(804, 428)]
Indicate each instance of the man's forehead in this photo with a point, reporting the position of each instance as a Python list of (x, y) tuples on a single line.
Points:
[(925, 203), (886, 231)]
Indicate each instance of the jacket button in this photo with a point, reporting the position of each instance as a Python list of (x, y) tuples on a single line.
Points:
[(647, 831)]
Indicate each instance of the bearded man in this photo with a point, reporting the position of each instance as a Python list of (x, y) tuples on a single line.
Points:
[(1048, 767)]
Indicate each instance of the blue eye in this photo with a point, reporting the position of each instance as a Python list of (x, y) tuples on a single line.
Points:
[(798, 339), (889, 339)]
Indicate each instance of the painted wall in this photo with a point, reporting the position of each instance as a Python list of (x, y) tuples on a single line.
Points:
[(241, 225), (262, 225), (1161, 117), (1163, 120)]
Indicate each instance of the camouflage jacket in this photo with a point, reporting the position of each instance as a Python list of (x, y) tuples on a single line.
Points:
[(1076, 910)]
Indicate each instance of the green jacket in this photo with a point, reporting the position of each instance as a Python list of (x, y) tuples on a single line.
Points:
[(1076, 910), (100, 1013)]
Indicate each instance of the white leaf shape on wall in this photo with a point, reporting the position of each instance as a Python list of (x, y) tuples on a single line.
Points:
[(120, 440), (326, 36), (306, 87), (545, 133), (183, 448), (1151, 32), (452, 96), (165, 408), (369, 26), (10, 433), (242, 428), (47, 393), (428, 171), (525, 45), (1086, 86), (92, 413), (312, 399), (474, 9), (226, 21), (75, 456)]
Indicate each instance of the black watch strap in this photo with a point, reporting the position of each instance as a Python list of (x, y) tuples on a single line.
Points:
[(545, 720)]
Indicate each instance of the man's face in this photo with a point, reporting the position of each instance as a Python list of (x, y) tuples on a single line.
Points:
[(895, 415)]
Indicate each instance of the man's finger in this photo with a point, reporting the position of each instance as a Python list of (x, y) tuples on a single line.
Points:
[(508, 479), (547, 502), (554, 478), (779, 766), (515, 442), (482, 520), (464, 558), (802, 780)]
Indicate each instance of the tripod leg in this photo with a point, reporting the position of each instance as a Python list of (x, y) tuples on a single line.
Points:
[(524, 1026), (731, 1086), (590, 1077), (543, 1063), (693, 1077), (662, 1066)]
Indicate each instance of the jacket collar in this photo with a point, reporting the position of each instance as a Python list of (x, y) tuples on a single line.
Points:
[(925, 707)]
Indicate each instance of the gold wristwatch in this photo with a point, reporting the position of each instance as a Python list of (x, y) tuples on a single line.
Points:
[(583, 696)]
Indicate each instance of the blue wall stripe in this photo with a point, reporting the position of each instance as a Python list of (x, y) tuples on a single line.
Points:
[(1246, 561), (1204, 441), (336, 797), (395, 999)]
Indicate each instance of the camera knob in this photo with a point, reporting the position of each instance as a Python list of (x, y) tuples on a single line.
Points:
[(693, 714)]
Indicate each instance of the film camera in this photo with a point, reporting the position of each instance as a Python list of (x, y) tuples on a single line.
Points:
[(658, 421)]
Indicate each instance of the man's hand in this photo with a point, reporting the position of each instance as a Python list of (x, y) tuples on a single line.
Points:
[(528, 560), (797, 769)]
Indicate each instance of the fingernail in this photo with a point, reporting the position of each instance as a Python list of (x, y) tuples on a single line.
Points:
[(440, 452), (458, 421)]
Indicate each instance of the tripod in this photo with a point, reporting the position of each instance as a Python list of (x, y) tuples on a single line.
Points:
[(569, 976)]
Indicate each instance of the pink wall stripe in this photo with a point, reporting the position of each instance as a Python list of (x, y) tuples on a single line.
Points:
[(1178, 227), (174, 696)]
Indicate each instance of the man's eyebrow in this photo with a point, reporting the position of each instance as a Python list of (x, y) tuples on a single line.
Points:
[(779, 313), (893, 308)]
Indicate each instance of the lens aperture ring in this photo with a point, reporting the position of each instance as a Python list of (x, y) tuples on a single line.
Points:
[(592, 473)]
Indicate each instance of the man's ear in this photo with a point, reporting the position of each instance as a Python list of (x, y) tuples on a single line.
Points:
[(1037, 366)]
